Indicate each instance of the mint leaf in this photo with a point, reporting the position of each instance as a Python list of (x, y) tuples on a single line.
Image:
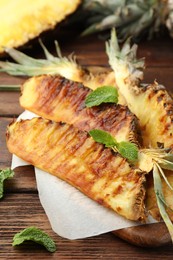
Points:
[(105, 94), (4, 174), (103, 137), (128, 150), (36, 235)]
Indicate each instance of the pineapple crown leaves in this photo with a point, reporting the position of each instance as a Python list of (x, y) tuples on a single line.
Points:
[(160, 159), (169, 20), (124, 59), (160, 198), (163, 159), (130, 17), (27, 66)]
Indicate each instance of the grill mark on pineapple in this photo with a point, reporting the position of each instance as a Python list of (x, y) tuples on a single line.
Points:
[(76, 170), (64, 100), (48, 91), (162, 105)]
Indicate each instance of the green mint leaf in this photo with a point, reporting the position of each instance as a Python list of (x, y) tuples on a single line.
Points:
[(103, 137), (105, 94), (4, 174), (36, 235), (128, 150)]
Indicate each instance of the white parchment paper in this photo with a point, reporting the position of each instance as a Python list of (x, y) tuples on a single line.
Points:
[(71, 214)]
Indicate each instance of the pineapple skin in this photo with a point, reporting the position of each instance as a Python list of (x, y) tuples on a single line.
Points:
[(59, 99), (73, 156), (22, 21)]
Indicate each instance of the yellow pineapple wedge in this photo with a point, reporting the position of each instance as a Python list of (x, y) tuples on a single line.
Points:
[(153, 106), (72, 155), (151, 103), (59, 99), (22, 21)]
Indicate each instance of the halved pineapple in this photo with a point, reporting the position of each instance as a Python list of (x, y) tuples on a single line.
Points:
[(25, 20)]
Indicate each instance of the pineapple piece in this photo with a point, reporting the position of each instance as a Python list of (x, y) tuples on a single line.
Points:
[(59, 99), (70, 154), (152, 104), (22, 21)]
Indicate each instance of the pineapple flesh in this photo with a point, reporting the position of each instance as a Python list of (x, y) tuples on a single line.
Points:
[(70, 154), (152, 104), (22, 21), (59, 99)]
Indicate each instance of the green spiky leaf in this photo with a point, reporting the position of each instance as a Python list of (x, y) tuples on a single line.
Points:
[(28, 66), (160, 198)]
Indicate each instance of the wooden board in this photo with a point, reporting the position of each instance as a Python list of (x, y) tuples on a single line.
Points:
[(20, 206)]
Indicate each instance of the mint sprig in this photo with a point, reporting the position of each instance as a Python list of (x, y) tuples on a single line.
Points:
[(36, 235), (4, 174), (126, 149), (104, 94)]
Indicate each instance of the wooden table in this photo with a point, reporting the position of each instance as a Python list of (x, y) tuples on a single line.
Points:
[(21, 207)]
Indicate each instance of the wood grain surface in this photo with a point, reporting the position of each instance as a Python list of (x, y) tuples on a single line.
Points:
[(20, 206)]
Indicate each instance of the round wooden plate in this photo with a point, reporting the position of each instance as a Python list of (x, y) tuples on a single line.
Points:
[(151, 235)]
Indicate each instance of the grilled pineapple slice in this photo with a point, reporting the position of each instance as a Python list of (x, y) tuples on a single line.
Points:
[(152, 104), (70, 154), (25, 20), (59, 99)]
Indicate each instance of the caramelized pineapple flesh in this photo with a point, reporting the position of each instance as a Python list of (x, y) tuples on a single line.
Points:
[(59, 99), (153, 106), (70, 154)]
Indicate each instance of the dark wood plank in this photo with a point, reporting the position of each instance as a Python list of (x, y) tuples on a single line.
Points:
[(163, 76), (9, 104), (18, 211)]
